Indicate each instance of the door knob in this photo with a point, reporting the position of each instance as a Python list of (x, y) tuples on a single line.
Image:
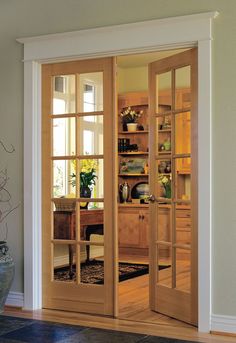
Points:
[(151, 198)]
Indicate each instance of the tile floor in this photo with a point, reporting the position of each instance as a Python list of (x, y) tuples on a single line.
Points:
[(19, 330)]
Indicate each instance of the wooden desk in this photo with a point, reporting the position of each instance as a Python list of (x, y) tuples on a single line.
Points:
[(91, 222)]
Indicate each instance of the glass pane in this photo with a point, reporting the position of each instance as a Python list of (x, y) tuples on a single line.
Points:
[(164, 135), (183, 133), (91, 178), (90, 97), (164, 271), (91, 220), (64, 262), (164, 223), (63, 136), (183, 178), (64, 178), (63, 94), (183, 269), (183, 226), (182, 81), (164, 184), (90, 133), (64, 219), (92, 271), (163, 88)]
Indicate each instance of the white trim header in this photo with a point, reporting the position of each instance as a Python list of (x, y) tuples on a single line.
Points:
[(143, 36)]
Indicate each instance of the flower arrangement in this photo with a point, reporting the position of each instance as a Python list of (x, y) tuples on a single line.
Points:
[(88, 168), (129, 115), (166, 184)]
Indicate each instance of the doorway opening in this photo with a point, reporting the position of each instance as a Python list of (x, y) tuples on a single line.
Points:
[(173, 177)]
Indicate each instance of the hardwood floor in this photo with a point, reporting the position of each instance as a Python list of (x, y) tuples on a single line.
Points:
[(134, 294), (134, 315)]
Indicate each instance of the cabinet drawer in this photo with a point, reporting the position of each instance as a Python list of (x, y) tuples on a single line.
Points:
[(183, 223), (183, 214)]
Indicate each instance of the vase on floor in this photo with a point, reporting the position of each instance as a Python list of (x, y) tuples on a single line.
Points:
[(7, 270)]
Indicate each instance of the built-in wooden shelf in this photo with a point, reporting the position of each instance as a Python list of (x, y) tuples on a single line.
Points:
[(165, 130), (130, 204), (133, 153), (132, 132), (133, 174), (164, 152)]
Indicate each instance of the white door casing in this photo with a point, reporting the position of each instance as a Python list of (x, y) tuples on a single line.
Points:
[(140, 37)]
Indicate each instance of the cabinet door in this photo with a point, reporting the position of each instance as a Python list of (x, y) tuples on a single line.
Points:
[(129, 226)]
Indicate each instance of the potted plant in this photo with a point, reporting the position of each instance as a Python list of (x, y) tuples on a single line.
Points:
[(7, 267), (88, 168), (129, 118), (165, 182)]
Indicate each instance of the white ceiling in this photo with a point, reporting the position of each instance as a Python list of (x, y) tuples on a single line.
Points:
[(141, 60)]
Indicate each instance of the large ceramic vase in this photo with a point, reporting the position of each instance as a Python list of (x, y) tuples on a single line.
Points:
[(85, 192), (7, 269)]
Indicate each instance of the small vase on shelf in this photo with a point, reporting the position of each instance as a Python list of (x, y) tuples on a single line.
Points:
[(132, 127), (168, 191)]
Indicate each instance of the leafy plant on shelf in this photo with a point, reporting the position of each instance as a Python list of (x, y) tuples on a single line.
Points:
[(128, 115), (88, 168), (165, 182)]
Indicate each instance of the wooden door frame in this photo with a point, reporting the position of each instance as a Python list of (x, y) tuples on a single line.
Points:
[(141, 37)]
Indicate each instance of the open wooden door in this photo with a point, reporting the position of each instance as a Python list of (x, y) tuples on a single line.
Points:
[(77, 186), (173, 185)]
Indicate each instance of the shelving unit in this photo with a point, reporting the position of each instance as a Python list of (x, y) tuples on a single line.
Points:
[(134, 217)]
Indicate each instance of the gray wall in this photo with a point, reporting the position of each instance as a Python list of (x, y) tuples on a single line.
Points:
[(20, 18)]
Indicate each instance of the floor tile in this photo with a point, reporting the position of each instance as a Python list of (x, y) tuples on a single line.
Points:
[(43, 333), (103, 336), (153, 339), (8, 324)]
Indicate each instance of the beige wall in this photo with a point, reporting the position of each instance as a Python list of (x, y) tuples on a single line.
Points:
[(34, 17)]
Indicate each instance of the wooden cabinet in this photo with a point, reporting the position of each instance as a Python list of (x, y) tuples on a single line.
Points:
[(133, 226)]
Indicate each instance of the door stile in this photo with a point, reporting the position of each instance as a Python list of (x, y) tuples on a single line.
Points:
[(153, 208)]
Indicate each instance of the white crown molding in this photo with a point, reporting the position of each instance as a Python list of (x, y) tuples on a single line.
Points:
[(143, 36), (221, 323), (15, 299)]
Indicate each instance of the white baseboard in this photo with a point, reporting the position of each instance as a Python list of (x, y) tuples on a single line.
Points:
[(222, 323), (15, 299)]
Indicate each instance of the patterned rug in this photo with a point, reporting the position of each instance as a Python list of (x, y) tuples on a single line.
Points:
[(93, 272)]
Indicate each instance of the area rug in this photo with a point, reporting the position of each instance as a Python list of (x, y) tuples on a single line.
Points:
[(93, 272)]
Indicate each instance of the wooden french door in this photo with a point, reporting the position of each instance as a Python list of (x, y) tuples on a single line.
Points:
[(77, 185), (173, 185)]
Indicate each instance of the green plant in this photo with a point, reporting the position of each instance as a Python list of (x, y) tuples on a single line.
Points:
[(88, 168), (166, 184), (130, 116)]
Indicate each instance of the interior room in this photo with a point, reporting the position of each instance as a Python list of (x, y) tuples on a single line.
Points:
[(132, 180), (37, 37)]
